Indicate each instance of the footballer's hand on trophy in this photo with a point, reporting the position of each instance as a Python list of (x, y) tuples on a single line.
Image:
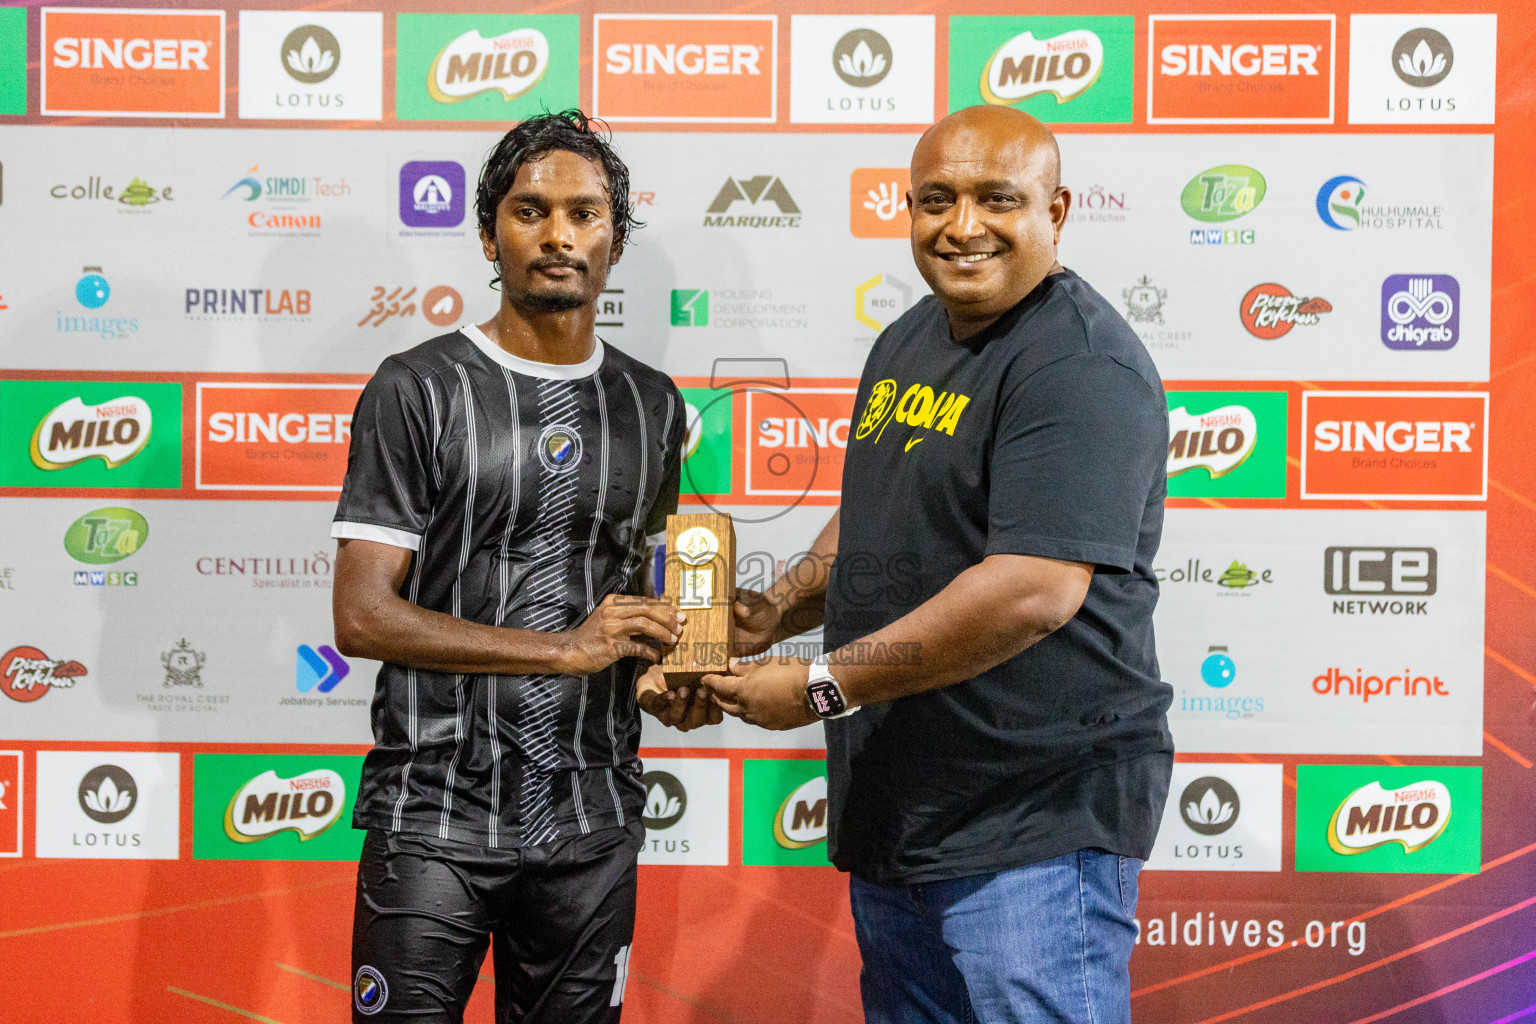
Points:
[(769, 694), (757, 622), (685, 708), (621, 626)]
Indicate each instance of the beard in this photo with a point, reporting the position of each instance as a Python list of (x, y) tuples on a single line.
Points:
[(549, 302)]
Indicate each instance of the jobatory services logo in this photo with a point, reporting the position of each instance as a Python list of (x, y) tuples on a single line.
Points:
[(1341, 205), (880, 300), (12, 794), (90, 434), (861, 69), (1269, 310), (687, 811), (1422, 819), (92, 292), (1420, 312), (1226, 444), (1062, 70), (1386, 445), (877, 202), (1221, 194), (1221, 817), (274, 807), (1422, 68), (13, 89), (107, 62), (27, 674), (680, 68), (1380, 580), (441, 305), (784, 812), (96, 804), (762, 194), (708, 449), (311, 65), (273, 436), (485, 67), (1240, 69)]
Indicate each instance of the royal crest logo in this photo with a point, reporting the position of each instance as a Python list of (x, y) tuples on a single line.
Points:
[(183, 665), (311, 54), (511, 63), (1144, 302), (1063, 66), (559, 448)]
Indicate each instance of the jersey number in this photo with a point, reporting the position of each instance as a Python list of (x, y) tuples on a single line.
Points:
[(621, 965)]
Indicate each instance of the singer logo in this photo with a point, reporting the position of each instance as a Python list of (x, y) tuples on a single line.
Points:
[(797, 440), (1218, 441), (307, 804), (1371, 816), (685, 68), (133, 63), (1394, 445), (1062, 66), (511, 63), (1240, 69), (72, 432), (273, 437)]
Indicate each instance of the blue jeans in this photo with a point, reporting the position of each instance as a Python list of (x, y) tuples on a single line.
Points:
[(1045, 942)]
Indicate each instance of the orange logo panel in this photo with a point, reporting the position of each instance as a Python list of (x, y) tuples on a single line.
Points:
[(797, 440), (1420, 445), (10, 803), (274, 437), (1241, 69), (878, 203), (128, 63), (684, 69)]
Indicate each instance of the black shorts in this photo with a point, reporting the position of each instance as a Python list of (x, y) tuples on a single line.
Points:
[(560, 918)]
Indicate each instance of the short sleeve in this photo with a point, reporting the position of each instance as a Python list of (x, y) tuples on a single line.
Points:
[(675, 424), (389, 488), (1080, 446)]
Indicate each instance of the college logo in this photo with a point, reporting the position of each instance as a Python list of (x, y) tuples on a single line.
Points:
[(106, 535), (113, 431), (1420, 311), (484, 67), (1269, 310), (685, 68), (134, 197), (877, 202), (880, 300), (1240, 69), (766, 187), (254, 436), (369, 990), (1237, 576), (1422, 57), (1144, 302), (1412, 819), (11, 779), (1388, 445), (1362, 572), (1058, 69), (273, 807), (690, 307), (132, 63), (26, 674), (1226, 444), (1223, 193), (311, 65), (432, 194), (90, 434), (666, 801), (1422, 69), (108, 794), (127, 807)]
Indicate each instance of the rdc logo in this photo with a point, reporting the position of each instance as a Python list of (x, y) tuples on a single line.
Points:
[(1420, 312)]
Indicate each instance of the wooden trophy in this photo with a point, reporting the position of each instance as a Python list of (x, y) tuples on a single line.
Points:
[(700, 581)]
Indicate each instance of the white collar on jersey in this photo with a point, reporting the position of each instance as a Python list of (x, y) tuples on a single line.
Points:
[(549, 371)]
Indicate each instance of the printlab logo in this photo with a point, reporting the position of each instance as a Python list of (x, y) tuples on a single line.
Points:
[(319, 669), (432, 194), (183, 666), (441, 306), (1422, 57), (862, 58), (666, 800), (1209, 805), (1269, 310), (310, 54), (1420, 311), (1144, 302), (108, 794), (26, 674), (690, 307), (767, 188)]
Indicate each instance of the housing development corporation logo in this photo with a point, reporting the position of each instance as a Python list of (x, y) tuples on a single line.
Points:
[(1058, 69), (767, 188), (1387, 445), (27, 674), (1269, 310), (132, 63), (1240, 69), (690, 307), (685, 68), (485, 66), (1420, 312), (1411, 819)]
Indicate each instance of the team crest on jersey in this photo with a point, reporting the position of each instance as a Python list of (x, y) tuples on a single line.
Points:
[(560, 448), (369, 992)]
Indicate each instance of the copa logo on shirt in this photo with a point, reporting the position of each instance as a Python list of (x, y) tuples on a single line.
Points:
[(918, 407)]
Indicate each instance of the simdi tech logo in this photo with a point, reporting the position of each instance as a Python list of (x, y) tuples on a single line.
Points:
[(312, 65), (784, 812), (271, 436), (1061, 70), (680, 67), (1227, 444), (1394, 445), (107, 62), (122, 434), (274, 807), (1423, 819), (1240, 69), (485, 67)]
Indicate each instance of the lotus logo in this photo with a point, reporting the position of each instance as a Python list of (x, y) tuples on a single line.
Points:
[(862, 58), (310, 54), (1209, 805), (665, 800), (1422, 58), (801, 820), (1064, 66), (108, 794)]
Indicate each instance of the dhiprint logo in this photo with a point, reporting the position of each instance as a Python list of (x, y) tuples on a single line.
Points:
[(108, 794), (1422, 57), (877, 203), (1209, 805), (559, 448), (769, 188), (862, 58), (27, 674), (1063, 66), (511, 63), (690, 307), (319, 669), (1269, 310), (1338, 202), (666, 801), (1223, 193), (310, 54), (801, 820), (306, 804), (1420, 311)]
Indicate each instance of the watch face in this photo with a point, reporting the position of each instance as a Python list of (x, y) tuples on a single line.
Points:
[(826, 700)]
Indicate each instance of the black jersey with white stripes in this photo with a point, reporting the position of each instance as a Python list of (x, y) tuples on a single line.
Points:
[(527, 492)]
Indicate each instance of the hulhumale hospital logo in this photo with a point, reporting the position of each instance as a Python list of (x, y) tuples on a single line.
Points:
[(1338, 202)]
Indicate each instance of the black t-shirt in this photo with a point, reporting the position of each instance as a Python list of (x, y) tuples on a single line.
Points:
[(527, 492), (1046, 435)]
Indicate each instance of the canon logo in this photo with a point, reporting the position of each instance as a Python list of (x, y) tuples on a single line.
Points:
[(160, 54), (688, 59), (1247, 59), (1398, 436)]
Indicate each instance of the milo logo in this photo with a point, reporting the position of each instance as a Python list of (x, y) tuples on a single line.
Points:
[(106, 535), (1064, 66), (1223, 193), (307, 804), (801, 820), (511, 63), (1218, 441), (113, 431), (1371, 816)]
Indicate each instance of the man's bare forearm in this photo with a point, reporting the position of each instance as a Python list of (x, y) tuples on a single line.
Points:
[(406, 634)]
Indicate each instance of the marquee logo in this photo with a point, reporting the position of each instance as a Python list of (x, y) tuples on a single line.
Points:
[(1388, 445), (1240, 69), (113, 431), (278, 436), (1413, 816), (1063, 66), (657, 67), (769, 188), (1420, 312), (1269, 310), (132, 63), (511, 63), (306, 804), (1217, 441), (26, 674), (1223, 193)]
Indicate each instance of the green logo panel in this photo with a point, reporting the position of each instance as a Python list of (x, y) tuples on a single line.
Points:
[(47, 437), (275, 807), (784, 812), (106, 535), (485, 67), (13, 60), (1223, 193), (1061, 70), (707, 462), (1261, 474), (690, 307), (1423, 819)]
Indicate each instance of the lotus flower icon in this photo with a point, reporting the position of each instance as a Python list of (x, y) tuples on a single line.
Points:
[(310, 54), (1422, 63), (862, 62), (659, 805), (1211, 810), (1422, 57), (862, 58), (665, 799), (108, 794), (1214, 810)]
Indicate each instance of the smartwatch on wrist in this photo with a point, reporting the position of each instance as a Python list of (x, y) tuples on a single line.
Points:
[(822, 694)]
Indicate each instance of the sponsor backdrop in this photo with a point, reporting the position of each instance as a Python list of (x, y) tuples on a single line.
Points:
[(216, 221)]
